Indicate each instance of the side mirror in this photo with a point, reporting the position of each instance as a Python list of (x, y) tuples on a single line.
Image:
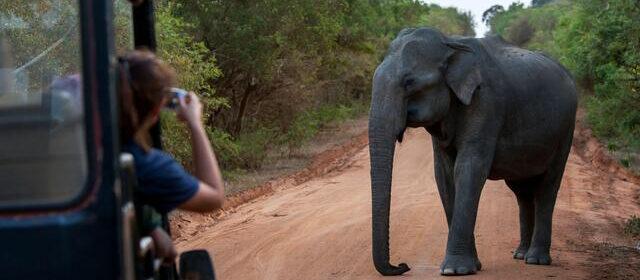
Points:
[(196, 265)]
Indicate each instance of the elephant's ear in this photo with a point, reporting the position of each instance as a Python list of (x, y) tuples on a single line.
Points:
[(462, 73)]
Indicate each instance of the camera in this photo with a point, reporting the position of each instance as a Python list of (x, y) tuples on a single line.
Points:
[(174, 102)]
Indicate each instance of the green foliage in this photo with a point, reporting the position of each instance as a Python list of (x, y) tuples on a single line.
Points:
[(176, 139), (307, 124), (227, 150), (538, 3), (31, 28), (254, 147), (448, 20), (191, 59), (602, 47), (531, 28), (123, 26), (196, 69), (488, 14), (633, 226), (521, 31), (500, 19), (268, 45), (291, 67)]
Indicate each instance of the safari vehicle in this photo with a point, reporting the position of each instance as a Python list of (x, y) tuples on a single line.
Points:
[(67, 209)]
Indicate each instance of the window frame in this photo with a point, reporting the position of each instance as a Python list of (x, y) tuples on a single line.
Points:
[(96, 111)]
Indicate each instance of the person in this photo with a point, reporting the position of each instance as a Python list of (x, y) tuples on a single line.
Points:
[(163, 184)]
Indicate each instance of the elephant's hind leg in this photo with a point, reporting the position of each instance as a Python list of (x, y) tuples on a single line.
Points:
[(544, 203), (524, 190)]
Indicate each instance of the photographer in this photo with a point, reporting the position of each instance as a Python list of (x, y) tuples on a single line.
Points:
[(145, 88)]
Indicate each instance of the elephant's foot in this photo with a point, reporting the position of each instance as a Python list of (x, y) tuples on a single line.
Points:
[(459, 265), (537, 255), (520, 252)]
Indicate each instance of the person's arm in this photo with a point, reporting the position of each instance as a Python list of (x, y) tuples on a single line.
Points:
[(210, 194), (164, 247)]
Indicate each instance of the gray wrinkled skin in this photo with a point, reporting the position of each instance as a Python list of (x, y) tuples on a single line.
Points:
[(494, 111)]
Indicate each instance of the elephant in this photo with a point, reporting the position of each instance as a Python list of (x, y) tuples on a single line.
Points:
[(494, 111)]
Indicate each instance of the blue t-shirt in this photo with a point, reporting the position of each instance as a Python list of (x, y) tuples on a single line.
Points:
[(162, 182)]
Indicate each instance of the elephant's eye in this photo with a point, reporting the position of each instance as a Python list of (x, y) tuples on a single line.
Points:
[(420, 81), (443, 67), (407, 83)]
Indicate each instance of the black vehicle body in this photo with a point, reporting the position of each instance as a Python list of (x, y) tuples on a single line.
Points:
[(94, 235)]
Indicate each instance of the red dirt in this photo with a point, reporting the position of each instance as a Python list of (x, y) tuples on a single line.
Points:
[(315, 224)]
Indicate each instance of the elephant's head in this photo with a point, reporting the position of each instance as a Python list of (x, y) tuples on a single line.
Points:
[(416, 84)]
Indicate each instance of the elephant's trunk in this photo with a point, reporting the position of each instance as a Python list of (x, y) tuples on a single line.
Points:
[(382, 138)]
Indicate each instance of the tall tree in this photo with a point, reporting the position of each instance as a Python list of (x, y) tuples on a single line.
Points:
[(539, 3), (491, 12)]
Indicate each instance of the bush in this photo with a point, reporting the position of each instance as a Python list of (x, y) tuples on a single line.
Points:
[(449, 21), (614, 118), (521, 32), (196, 68), (633, 226), (227, 150), (176, 140), (606, 54), (254, 147), (308, 124)]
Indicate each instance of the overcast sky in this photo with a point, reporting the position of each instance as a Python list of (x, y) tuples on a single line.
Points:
[(476, 7)]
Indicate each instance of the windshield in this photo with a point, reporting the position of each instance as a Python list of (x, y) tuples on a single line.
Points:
[(42, 138)]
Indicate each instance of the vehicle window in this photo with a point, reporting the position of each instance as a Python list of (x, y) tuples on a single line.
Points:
[(43, 157)]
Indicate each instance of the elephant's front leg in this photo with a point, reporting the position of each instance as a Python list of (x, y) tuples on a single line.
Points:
[(443, 170), (470, 173), (444, 164)]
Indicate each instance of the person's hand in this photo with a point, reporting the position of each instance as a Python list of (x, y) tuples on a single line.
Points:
[(163, 245), (190, 109)]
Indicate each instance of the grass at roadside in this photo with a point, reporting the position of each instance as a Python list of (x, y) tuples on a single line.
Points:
[(633, 226), (615, 123)]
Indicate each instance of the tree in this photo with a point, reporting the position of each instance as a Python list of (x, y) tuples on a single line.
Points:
[(521, 31), (606, 54), (284, 60), (539, 3), (491, 12), (47, 28), (449, 21)]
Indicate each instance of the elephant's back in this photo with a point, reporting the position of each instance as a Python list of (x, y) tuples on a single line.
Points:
[(532, 82), (526, 65), (535, 78), (525, 72), (540, 102)]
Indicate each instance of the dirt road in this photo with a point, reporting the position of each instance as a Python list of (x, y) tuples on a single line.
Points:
[(321, 229)]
